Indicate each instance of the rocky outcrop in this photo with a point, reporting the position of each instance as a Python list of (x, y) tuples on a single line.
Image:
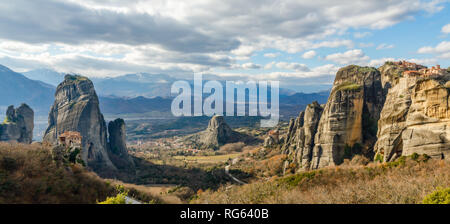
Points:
[(409, 101), (300, 137), (216, 134), (18, 125), (76, 108), (272, 139), (348, 123), (117, 148), (392, 71), (415, 119)]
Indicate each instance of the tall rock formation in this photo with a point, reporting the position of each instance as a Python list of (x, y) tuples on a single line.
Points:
[(117, 148), (348, 123), (217, 134), (300, 137), (18, 125), (76, 108), (403, 109), (415, 118)]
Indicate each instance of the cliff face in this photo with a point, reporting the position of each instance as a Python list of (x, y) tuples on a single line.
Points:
[(415, 118), (18, 125), (300, 139), (218, 133), (402, 110), (346, 125), (76, 108), (348, 122), (117, 148)]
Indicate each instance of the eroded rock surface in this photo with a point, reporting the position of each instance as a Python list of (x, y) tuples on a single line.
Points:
[(117, 145), (300, 138), (18, 125), (76, 108), (416, 118), (217, 134), (348, 122)]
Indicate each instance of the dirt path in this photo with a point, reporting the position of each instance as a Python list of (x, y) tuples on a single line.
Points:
[(227, 171)]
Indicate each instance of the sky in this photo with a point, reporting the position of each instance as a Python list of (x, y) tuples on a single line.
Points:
[(302, 44)]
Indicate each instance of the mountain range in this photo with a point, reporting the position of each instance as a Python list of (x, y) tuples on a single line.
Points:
[(17, 89), (131, 93)]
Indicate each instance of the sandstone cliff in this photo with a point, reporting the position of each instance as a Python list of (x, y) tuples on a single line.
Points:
[(348, 122), (300, 138), (76, 108), (402, 110), (345, 126), (18, 125), (415, 118)]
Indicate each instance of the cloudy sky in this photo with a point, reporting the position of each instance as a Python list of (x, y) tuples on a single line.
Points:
[(300, 43)]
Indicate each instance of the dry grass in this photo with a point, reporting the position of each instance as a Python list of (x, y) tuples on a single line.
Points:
[(232, 147), (401, 182), (207, 159), (28, 174), (159, 191)]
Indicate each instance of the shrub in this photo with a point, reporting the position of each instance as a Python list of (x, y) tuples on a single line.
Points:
[(118, 199), (405, 182), (295, 180), (415, 156), (29, 174), (359, 160), (398, 162), (440, 196), (379, 158), (348, 86), (232, 147), (275, 164)]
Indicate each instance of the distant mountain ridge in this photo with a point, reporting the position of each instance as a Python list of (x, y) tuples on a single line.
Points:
[(128, 85), (17, 89), (45, 75)]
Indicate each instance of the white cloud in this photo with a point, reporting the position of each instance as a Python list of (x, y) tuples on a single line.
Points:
[(169, 35), (422, 61), (446, 28), (442, 50), (379, 62), (325, 70), (355, 56), (16, 47), (309, 54), (272, 55), (361, 35), (292, 66), (385, 46), (287, 66), (250, 65)]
